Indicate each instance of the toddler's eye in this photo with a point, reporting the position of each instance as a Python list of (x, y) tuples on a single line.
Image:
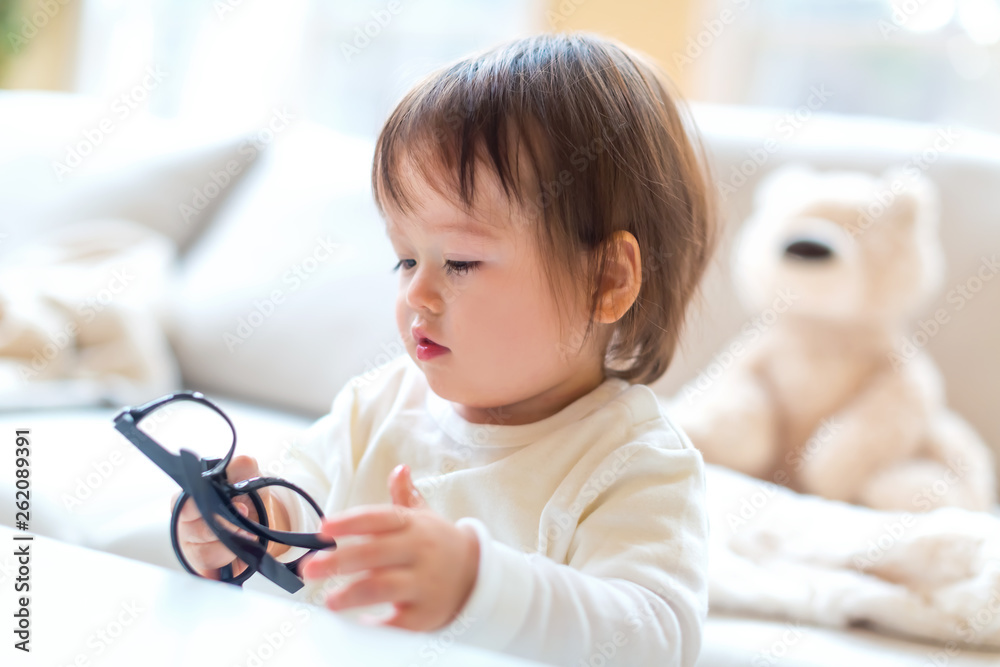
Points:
[(459, 267), (401, 262)]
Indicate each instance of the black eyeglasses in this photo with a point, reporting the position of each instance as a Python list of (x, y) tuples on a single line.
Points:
[(177, 421)]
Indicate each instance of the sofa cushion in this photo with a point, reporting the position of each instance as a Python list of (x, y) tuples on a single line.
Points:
[(290, 293), (67, 158)]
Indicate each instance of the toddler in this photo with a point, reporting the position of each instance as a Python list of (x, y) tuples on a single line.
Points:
[(512, 474)]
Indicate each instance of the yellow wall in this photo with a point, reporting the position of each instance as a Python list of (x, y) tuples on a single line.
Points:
[(46, 59), (657, 27)]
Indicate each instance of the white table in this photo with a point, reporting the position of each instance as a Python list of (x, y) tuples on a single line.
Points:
[(93, 608)]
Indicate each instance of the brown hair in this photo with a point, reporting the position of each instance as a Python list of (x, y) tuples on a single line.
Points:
[(606, 150)]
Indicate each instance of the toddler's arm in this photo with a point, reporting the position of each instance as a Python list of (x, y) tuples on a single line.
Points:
[(635, 589)]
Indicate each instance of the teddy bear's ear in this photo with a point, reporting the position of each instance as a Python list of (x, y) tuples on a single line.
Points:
[(778, 184), (916, 196)]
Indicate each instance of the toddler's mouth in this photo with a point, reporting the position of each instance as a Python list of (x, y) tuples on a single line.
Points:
[(422, 339)]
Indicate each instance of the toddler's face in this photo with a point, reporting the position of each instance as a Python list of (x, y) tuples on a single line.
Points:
[(475, 285)]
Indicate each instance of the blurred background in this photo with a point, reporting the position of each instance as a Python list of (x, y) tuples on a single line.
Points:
[(222, 149), (185, 204), (921, 60)]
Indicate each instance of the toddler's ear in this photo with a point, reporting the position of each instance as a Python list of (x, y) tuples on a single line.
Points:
[(403, 491), (621, 284)]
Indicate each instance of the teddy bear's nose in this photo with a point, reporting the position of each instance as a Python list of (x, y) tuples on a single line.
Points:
[(810, 250)]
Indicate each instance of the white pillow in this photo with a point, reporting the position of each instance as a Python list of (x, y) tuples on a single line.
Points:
[(290, 293), (66, 158)]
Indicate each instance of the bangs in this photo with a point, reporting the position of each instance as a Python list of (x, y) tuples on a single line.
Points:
[(467, 116)]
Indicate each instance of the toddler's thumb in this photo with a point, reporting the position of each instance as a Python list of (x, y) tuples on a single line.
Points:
[(241, 468), (402, 489)]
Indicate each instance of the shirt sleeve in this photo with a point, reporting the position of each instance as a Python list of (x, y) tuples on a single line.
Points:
[(635, 589), (321, 462)]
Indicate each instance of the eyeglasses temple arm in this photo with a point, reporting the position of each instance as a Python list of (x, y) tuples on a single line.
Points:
[(210, 504), (167, 462)]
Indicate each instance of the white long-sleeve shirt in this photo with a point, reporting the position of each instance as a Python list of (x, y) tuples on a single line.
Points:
[(592, 523)]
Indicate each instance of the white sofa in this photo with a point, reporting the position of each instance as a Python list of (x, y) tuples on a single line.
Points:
[(276, 372)]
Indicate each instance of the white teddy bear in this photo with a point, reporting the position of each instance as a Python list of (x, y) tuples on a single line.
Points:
[(830, 399)]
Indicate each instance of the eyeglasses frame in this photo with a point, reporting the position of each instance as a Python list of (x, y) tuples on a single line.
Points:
[(204, 480)]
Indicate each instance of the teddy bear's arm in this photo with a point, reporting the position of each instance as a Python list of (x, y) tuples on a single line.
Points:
[(730, 419), (882, 425)]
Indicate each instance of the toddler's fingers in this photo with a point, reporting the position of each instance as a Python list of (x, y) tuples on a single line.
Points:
[(241, 468), (209, 556), (391, 550), (195, 532), (391, 585), (244, 505), (189, 512), (246, 513), (232, 527), (199, 532)]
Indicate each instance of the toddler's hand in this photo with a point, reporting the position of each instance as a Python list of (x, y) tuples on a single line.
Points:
[(414, 558), (200, 546)]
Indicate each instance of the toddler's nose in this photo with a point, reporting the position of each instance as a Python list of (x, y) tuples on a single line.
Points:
[(422, 294)]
